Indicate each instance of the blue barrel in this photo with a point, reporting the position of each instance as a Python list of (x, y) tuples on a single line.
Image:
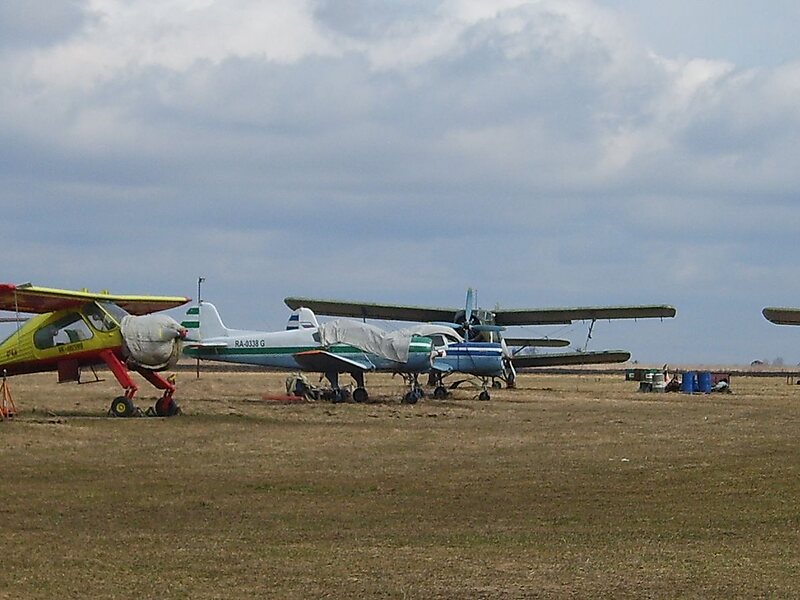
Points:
[(704, 382), (688, 382)]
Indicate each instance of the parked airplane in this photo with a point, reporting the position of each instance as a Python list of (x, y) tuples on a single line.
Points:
[(332, 348), (493, 360), (477, 324), (82, 329)]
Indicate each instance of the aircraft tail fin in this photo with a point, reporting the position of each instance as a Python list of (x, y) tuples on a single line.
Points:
[(302, 318), (203, 322)]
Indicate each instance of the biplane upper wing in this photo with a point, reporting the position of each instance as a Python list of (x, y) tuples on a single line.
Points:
[(569, 358), (565, 316), (323, 361), (367, 310), (782, 316), (35, 299)]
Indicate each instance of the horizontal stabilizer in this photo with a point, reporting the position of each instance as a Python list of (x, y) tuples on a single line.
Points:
[(322, 361), (782, 316), (570, 358)]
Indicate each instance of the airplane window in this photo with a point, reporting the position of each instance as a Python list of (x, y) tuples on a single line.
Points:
[(117, 312), (437, 340), (66, 330), (99, 319)]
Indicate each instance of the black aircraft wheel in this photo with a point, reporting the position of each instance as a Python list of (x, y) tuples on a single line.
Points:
[(484, 395), (496, 384), (167, 407), (411, 397), (360, 395), (440, 393), (337, 396), (122, 407)]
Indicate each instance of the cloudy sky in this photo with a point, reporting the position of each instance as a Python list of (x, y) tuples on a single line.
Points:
[(548, 153)]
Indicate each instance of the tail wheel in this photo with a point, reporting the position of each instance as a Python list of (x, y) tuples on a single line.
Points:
[(122, 407), (484, 396)]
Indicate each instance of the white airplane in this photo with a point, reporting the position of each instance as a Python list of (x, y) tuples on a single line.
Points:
[(339, 346)]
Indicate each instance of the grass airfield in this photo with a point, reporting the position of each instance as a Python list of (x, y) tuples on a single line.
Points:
[(568, 486)]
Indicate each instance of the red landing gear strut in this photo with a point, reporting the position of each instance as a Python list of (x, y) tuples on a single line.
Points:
[(123, 406)]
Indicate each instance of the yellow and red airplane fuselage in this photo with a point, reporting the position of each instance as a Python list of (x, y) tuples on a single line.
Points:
[(68, 339), (20, 354)]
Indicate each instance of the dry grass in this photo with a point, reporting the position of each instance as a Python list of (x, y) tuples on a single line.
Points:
[(570, 486)]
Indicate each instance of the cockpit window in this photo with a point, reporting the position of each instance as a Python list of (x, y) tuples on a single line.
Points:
[(117, 312), (99, 318), (66, 330), (438, 341)]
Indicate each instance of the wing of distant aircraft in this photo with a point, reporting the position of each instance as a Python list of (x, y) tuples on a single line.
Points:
[(565, 316), (569, 358), (35, 299), (782, 316)]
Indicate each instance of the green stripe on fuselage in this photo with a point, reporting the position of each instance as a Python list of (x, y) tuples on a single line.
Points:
[(414, 348)]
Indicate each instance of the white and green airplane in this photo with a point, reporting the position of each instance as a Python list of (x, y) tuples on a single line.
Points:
[(340, 346)]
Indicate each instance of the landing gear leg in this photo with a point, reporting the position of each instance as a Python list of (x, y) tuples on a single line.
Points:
[(439, 392), (360, 393), (166, 405), (338, 395), (121, 406), (415, 391), (484, 395), (509, 374)]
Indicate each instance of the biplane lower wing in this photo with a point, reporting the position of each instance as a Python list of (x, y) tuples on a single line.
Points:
[(782, 316), (519, 342), (34, 299), (570, 358), (322, 361)]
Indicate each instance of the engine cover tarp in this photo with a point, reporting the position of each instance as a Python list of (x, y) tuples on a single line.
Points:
[(151, 340), (392, 345), (429, 329)]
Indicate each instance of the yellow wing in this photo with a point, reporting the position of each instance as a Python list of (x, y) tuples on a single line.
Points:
[(34, 299)]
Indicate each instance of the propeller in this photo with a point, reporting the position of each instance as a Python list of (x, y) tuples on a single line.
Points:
[(471, 322)]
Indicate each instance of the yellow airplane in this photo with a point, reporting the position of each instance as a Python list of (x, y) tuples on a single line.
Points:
[(73, 329)]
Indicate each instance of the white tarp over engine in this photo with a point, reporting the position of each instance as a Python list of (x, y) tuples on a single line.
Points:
[(152, 341), (392, 345), (429, 329)]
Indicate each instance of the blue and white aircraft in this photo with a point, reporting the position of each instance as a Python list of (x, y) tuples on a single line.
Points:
[(478, 353), (339, 346)]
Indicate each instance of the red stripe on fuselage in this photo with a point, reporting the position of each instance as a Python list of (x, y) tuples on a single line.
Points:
[(44, 365)]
